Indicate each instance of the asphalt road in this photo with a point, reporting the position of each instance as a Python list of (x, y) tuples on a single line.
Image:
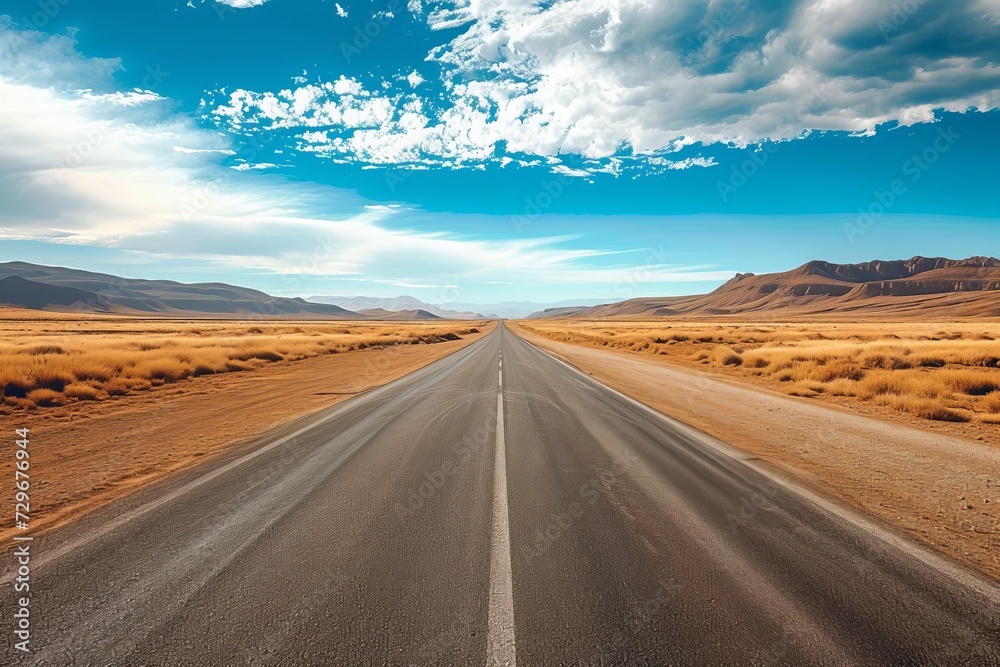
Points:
[(404, 527)]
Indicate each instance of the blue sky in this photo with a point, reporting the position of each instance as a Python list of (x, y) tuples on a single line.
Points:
[(489, 151)]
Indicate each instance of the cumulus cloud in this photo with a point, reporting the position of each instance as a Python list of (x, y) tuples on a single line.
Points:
[(79, 166), (414, 79), (638, 78)]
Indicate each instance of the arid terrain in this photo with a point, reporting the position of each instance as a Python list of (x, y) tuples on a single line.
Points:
[(945, 372), (114, 404), (48, 362), (936, 481)]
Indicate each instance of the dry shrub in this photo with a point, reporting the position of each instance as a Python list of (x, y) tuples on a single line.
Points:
[(81, 392), (50, 378), (990, 402), (840, 369), (973, 383), (94, 371), (265, 355), (166, 370), (46, 398), (46, 349), (116, 387), (842, 388), (728, 357), (886, 362), (928, 409)]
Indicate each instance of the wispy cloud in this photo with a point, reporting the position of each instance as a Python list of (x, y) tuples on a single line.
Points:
[(241, 4), (81, 168)]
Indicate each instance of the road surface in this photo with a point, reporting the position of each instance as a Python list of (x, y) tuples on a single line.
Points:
[(495, 507)]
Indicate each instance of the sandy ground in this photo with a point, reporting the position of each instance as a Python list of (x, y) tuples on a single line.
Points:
[(85, 455), (931, 375), (941, 489)]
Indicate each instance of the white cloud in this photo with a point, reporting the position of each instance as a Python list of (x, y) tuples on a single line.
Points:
[(220, 151), (246, 166), (82, 169), (686, 163), (568, 171), (241, 4), (341, 12), (129, 98), (638, 78), (414, 79)]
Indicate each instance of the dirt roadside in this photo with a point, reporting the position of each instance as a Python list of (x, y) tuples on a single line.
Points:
[(941, 490), (86, 455)]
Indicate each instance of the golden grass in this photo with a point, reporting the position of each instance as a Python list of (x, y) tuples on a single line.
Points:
[(942, 372), (47, 363)]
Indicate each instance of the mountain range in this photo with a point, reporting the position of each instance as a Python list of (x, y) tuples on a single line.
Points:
[(400, 304), (925, 287), (454, 310), (928, 287), (60, 289)]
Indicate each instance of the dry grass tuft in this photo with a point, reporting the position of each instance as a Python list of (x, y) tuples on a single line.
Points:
[(81, 392), (45, 398)]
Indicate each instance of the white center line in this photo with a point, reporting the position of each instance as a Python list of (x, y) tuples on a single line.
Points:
[(500, 634)]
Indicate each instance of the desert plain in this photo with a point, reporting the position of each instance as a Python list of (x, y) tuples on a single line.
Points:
[(117, 403)]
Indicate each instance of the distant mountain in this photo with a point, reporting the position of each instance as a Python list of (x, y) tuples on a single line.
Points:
[(925, 287), (457, 311), (15, 290), (383, 314), (565, 311), (396, 305), (520, 309), (59, 289)]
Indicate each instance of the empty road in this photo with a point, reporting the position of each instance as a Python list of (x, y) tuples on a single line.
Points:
[(495, 507)]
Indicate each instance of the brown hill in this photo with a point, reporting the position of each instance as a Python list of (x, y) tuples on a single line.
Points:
[(927, 287), (56, 288), (15, 290), (398, 315)]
